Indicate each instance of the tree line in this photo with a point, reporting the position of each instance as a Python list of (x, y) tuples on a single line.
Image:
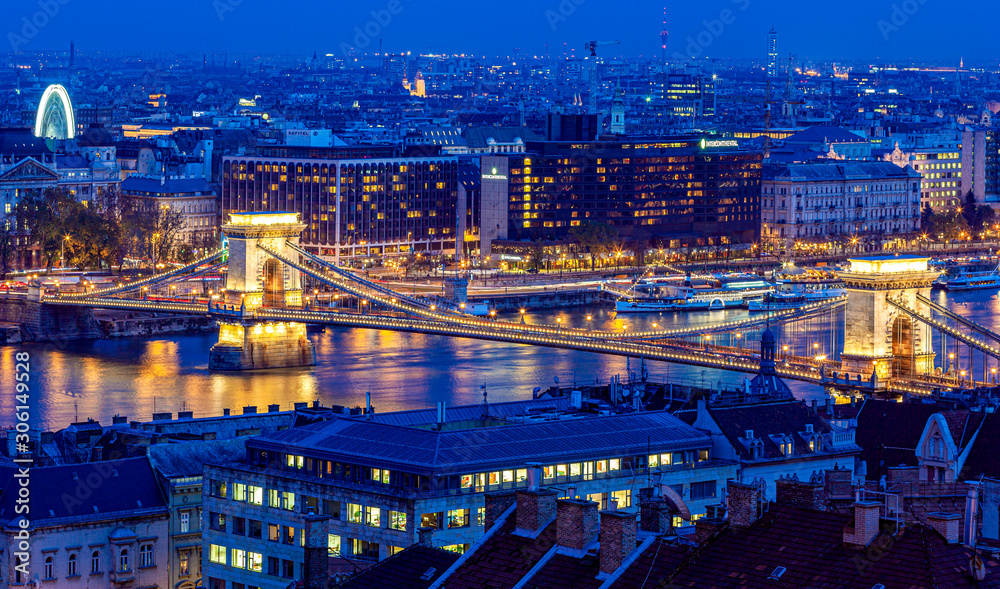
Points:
[(113, 231)]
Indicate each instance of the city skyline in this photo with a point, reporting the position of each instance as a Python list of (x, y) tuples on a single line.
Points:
[(718, 29)]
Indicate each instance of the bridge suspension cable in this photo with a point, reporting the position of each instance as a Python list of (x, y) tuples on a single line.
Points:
[(958, 318), (354, 277), (136, 284), (944, 328)]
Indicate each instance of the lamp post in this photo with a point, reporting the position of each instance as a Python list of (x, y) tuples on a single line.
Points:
[(62, 253)]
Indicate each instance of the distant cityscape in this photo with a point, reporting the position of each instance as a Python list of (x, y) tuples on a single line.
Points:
[(778, 217)]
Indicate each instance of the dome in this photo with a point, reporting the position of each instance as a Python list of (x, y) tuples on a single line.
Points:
[(768, 337)]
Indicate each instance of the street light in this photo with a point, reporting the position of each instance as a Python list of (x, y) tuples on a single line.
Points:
[(522, 316), (62, 254)]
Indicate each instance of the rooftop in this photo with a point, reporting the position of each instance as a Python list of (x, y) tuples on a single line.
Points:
[(505, 446)]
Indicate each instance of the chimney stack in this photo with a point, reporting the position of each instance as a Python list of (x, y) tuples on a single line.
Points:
[(424, 536), (496, 504), (946, 524), (743, 504), (617, 536), (971, 516), (536, 507), (655, 516), (315, 573), (866, 523), (577, 523), (837, 483)]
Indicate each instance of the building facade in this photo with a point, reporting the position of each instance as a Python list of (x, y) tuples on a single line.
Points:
[(101, 524), (378, 494), (685, 190), (356, 208), (193, 198), (827, 200)]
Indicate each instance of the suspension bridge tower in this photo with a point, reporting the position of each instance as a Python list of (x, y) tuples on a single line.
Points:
[(257, 279), (879, 336)]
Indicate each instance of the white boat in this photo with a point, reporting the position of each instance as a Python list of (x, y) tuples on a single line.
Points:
[(784, 300), (692, 299), (972, 276)]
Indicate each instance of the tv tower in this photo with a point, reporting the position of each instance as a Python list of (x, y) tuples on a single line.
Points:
[(664, 36)]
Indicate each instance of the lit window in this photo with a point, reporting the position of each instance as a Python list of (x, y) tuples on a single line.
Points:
[(397, 520), (373, 517), (239, 558), (217, 554), (354, 513)]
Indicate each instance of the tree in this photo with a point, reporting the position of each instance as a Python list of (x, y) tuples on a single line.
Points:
[(46, 218), (8, 242), (969, 209), (598, 239), (926, 219)]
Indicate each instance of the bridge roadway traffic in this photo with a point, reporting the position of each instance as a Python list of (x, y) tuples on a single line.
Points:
[(499, 331)]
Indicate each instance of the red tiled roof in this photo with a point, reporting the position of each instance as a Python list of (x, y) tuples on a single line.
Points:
[(984, 457), (503, 559), (567, 571), (809, 545), (888, 433), (406, 569), (657, 562), (962, 424)]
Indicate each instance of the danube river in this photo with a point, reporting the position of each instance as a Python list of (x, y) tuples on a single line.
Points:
[(137, 377)]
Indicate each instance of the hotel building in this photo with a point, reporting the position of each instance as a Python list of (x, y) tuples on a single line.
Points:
[(681, 191), (353, 207)]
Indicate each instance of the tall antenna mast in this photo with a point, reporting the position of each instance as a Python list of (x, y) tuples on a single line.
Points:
[(664, 37)]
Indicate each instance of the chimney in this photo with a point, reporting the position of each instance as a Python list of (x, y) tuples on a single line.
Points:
[(425, 536), (617, 536), (166, 416), (273, 408), (576, 523), (866, 523), (576, 399), (250, 410), (496, 504), (655, 516), (800, 494), (315, 571), (707, 528), (119, 420), (185, 414), (536, 507), (946, 524), (743, 504), (904, 479), (225, 412), (300, 405), (837, 483), (971, 516)]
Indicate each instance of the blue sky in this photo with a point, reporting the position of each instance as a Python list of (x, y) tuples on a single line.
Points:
[(846, 29)]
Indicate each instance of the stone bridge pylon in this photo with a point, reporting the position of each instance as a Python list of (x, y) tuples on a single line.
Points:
[(257, 279), (878, 337)]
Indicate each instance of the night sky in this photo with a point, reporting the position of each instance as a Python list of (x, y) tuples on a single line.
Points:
[(843, 30)]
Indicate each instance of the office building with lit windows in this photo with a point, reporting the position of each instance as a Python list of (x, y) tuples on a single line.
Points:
[(356, 206), (678, 191), (382, 479)]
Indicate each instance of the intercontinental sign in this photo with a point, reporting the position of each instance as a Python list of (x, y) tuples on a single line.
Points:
[(493, 175), (708, 144)]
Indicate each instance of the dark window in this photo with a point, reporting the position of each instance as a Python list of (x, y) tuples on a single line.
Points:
[(703, 490), (217, 521), (273, 566), (331, 508), (255, 529), (287, 569), (239, 526)]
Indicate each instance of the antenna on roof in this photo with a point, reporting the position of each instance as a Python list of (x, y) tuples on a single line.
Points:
[(486, 405)]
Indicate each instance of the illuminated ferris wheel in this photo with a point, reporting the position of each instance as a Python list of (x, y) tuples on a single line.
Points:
[(55, 115)]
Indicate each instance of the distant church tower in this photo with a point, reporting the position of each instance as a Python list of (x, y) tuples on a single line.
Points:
[(618, 113)]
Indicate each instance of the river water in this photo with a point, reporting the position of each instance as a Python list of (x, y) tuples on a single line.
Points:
[(137, 377)]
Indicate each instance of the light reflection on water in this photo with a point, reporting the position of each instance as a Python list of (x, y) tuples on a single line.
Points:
[(135, 377)]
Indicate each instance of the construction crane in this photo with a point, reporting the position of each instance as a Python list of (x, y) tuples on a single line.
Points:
[(592, 47)]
